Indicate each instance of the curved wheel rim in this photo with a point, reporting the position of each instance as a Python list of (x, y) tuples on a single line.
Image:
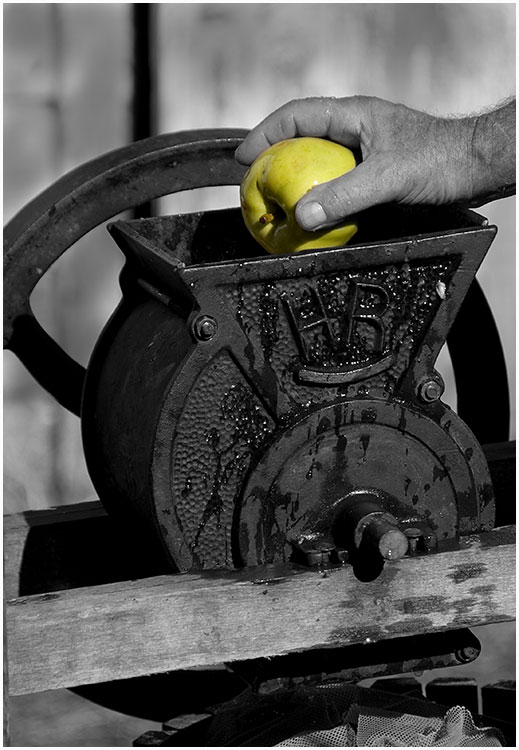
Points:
[(480, 371), (77, 203)]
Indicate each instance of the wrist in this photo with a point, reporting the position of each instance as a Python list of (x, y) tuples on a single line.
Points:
[(455, 167), (492, 151)]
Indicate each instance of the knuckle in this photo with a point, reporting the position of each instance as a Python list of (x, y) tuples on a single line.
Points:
[(287, 126), (335, 200), (286, 117), (293, 106)]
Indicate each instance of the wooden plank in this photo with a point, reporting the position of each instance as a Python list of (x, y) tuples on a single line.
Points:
[(17, 531), (52, 549), (6, 710), (173, 622), (51, 516), (72, 546)]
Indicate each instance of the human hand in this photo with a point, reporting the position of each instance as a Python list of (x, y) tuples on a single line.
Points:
[(408, 156)]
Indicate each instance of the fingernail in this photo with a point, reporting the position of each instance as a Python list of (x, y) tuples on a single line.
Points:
[(311, 215)]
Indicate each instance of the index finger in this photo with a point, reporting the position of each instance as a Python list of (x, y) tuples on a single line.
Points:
[(336, 119)]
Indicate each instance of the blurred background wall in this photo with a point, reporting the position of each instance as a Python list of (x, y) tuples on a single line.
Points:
[(68, 71)]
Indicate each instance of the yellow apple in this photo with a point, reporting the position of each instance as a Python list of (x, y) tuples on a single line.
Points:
[(277, 179)]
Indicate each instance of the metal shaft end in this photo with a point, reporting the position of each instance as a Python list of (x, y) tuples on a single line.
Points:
[(392, 544)]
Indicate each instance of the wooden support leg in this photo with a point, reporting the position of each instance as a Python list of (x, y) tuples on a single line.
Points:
[(6, 688)]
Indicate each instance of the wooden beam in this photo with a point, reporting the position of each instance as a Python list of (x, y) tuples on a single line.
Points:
[(72, 546), (17, 529), (171, 622), (79, 545)]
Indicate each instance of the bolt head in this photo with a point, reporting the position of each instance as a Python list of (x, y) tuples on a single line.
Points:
[(430, 541), (467, 654), (340, 555), (413, 532), (430, 390), (314, 557), (205, 328)]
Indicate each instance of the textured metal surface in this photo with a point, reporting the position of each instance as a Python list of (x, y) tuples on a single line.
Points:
[(311, 385), (298, 486)]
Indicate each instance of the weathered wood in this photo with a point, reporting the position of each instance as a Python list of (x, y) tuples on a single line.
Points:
[(79, 545), (17, 528), (120, 630), (74, 545), (6, 732)]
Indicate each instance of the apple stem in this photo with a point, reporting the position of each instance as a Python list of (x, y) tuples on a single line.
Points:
[(266, 218)]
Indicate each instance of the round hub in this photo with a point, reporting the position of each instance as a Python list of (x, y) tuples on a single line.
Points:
[(304, 483)]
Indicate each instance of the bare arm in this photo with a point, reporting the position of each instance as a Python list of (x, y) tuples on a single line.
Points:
[(493, 152), (408, 156)]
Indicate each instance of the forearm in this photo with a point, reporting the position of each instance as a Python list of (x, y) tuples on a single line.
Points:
[(493, 152)]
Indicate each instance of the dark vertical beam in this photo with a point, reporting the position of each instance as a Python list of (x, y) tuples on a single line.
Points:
[(144, 99)]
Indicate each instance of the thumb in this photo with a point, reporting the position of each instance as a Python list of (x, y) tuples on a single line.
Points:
[(370, 183)]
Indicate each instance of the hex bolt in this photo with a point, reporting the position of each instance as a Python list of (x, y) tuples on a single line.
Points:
[(413, 535), (205, 328), (430, 390), (430, 541), (467, 654), (311, 552), (339, 555), (314, 557)]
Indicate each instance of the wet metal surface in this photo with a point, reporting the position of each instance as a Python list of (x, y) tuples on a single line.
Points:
[(286, 384), (234, 400)]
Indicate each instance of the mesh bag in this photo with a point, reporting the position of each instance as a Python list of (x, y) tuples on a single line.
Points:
[(343, 715), (377, 728)]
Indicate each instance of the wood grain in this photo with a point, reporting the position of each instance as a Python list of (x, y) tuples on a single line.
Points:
[(6, 716), (52, 549), (164, 623)]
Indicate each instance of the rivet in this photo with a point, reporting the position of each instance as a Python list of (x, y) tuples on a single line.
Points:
[(413, 534), (467, 654), (430, 390), (205, 328)]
